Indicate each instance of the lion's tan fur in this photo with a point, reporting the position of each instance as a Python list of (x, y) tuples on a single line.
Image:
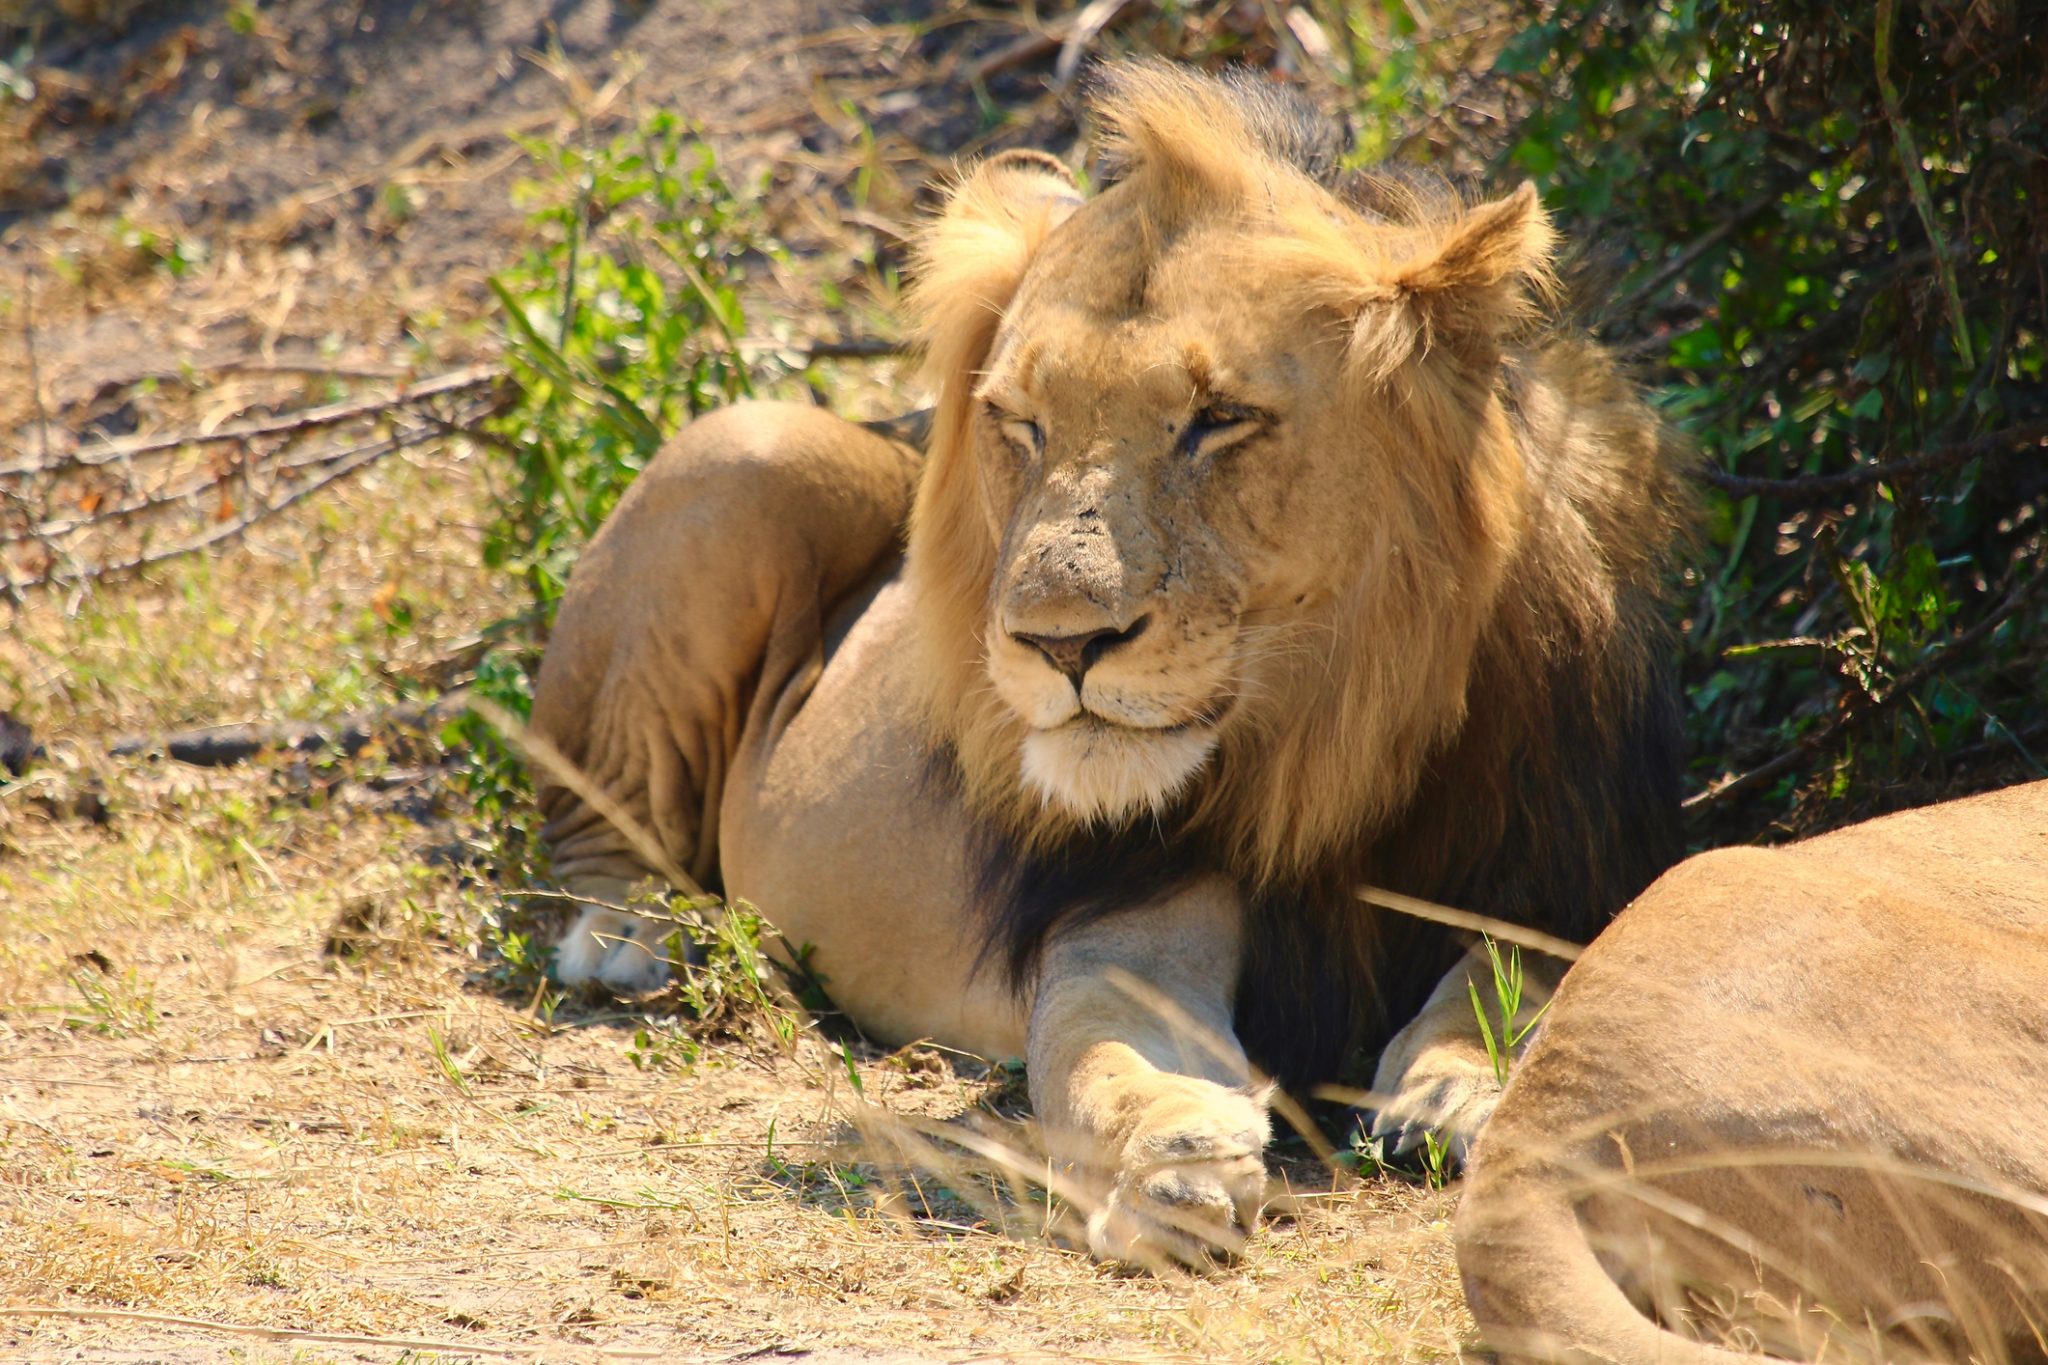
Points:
[(1807, 1086)]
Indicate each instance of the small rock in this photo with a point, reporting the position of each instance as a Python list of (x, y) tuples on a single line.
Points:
[(18, 747)]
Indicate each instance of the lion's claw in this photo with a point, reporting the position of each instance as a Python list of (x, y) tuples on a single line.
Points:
[(1190, 1181), (1439, 1094)]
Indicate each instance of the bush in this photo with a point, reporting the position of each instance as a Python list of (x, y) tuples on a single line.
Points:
[(623, 323), (1830, 223), (620, 324)]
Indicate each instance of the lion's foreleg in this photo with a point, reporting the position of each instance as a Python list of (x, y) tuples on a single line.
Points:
[(1147, 1100), (705, 592), (1439, 1075)]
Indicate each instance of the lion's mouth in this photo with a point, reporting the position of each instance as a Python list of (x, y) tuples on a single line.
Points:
[(1105, 770), (1208, 717)]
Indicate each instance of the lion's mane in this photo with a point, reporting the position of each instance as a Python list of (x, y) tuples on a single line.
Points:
[(1492, 728)]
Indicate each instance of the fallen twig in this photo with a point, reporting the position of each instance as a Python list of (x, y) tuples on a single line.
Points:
[(333, 466), (460, 1348), (1088, 25), (847, 348), (112, 452), (1823, 487), (1685, 260), (1857, 709), (192, 488), (219, 746), (1054, 37), (312, 367), (1500, 929)]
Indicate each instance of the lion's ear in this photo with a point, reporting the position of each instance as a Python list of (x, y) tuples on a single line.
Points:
[(1464, 286), (971, 256)]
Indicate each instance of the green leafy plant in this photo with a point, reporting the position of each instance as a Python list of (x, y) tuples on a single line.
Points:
[(115, 1006), (722, 971), (658, 1047), (445, 1062), (722, 979), (1429, 1165), (1512, 1030), (1436, 1160), (623, 323)]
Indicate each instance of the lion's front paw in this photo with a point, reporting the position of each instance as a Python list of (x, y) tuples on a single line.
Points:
[(621, 952), (1443, 1090), (1190, 1177)]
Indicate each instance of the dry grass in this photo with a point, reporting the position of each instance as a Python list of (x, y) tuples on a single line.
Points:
[(208, 1113)]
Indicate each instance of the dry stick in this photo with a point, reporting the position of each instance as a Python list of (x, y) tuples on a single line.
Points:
[(456, 381), (1032, 46), (296, 1334), (192, 488), (542, 754), (1499, 929), (255, 365), (31, 514), (362, 457), (1903, 686), (215, 746), (333, 466), (1088, 26), (1687, 258), (1907, 148), (846, 348), (1822, 487), (35, 379)]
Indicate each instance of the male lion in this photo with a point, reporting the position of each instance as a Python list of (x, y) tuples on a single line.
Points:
[(1798, 1093), (1264, 545)]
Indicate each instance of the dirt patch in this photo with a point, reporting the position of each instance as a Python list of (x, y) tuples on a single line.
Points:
[(339, 179), (258, 1086)]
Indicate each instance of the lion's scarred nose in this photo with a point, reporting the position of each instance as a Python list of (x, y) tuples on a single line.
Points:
[(1074, 655)]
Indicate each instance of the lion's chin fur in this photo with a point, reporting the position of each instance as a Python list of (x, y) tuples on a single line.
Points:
[(1103, 773)]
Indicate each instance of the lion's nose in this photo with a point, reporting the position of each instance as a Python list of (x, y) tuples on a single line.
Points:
[(1074, 655)]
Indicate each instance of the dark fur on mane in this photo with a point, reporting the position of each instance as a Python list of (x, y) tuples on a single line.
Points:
[(1590, 819)]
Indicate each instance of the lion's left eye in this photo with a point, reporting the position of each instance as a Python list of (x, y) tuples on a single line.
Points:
[(1022, 434), (1218, 426)]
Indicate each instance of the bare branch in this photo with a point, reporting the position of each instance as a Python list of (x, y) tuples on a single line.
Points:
[(222, 745), (331, 414), (334, 465), (1825, 487), (1861, 706)]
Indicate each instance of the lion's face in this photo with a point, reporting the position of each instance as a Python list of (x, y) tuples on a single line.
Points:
[(1171, 504), (1220, 486)]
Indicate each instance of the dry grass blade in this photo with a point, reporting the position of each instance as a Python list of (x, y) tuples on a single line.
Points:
[(556, 764), (1499, 929), (455, 1348)]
